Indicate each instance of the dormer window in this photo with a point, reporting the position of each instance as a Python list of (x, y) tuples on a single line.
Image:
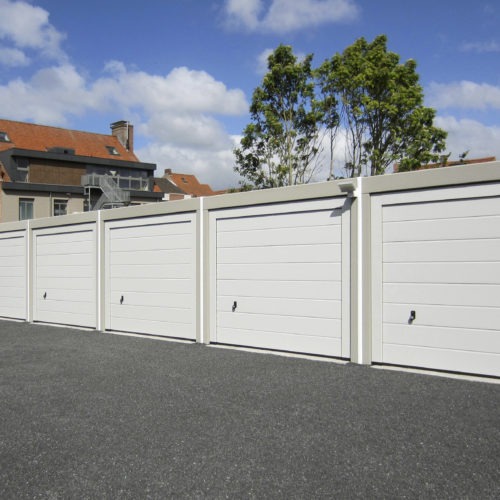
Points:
[(112, 151), (4, 137)]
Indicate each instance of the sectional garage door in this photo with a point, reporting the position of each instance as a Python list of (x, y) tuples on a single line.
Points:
[(13, 275), (65, 275), (281, 277), (439, 282), (151, 276)]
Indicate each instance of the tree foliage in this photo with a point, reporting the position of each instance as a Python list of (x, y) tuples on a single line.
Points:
[(365, 92), (278, 147)]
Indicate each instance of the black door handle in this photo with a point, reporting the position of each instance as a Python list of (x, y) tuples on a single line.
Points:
[(45, 295), (413, 316), (235, 305), (121, 299)]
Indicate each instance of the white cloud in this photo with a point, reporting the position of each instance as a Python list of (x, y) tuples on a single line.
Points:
[(463, 94), (50, 97), (25, 26), (282, 16), (211, 167), (13, 57), (481, 47), (465, 134), (262, 61), (176, 113)]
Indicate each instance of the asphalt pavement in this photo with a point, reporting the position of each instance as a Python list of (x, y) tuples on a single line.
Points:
[(92, 415)]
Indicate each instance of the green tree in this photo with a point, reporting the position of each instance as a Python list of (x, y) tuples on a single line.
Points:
[(280, 145), (380, 108)]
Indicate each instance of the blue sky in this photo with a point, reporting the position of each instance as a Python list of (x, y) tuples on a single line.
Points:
[(183, 71)]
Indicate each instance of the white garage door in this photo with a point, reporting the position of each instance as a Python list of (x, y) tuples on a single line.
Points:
[(13, 275), (65, 276), (151, 276), (279, 277), (441, 285)]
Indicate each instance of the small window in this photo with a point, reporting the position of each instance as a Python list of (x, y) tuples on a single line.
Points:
[(26, 208), (4, 137), (60, 207), (183, 179), (112, 151)]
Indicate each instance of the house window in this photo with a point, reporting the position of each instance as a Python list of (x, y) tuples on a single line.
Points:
[(60, 207), (26, 208), (23, 169), (4, 137)]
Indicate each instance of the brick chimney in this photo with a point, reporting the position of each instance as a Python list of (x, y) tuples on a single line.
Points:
[(124, 131)]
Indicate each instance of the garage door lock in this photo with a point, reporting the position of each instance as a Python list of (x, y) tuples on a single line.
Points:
[(412, 317), (45, 295), (121, 299), (235, 305)]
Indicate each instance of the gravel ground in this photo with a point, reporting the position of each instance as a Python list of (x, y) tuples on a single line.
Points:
[(91, 415)]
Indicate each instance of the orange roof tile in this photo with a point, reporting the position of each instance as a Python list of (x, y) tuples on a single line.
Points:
[(190, 184), (42, 137)]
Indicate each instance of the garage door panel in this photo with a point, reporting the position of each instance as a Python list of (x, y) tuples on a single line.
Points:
[(66, 259), (154, 313), (326, 346), (154, 256), (149, 230), (442, 272), (287, 236), (163, 271), (70, 295), (165, 242), (443, 359), (281, 306), (151, 327), (64, 318), (298, 325), (56, 245), (280, 254), (280, 221), (449, 209), (286, 289), (9, 271), (159, 299), (462, 339), (443, 229), (487, 318), (281, 272), (64, 271), (444, 294), (11, 292), (16, 281), (77, 307), (443, 251), (147, 285), (63, 283)]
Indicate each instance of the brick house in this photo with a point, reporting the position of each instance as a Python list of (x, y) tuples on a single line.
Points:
[(46, 171)]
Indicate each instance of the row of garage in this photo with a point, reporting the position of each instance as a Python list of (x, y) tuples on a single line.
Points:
[(400, 270)]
